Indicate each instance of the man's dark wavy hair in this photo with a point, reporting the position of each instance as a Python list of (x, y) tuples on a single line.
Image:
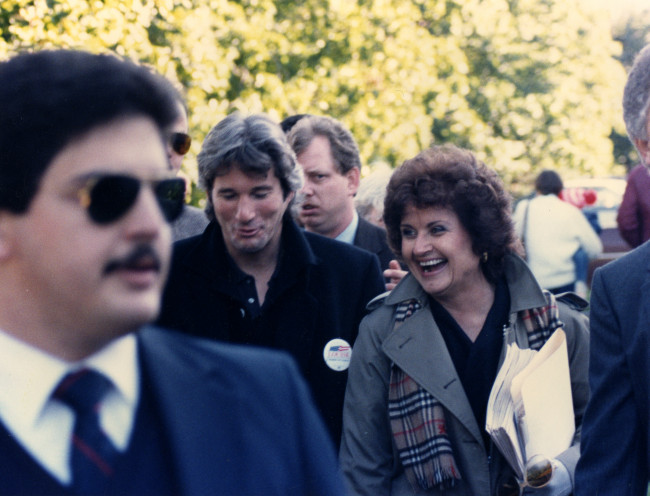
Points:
[(450, 177), (51, 97)]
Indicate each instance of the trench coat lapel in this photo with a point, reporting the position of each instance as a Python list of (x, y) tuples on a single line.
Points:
[(419, 349)]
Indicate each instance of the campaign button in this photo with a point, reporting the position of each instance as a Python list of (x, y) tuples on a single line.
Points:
[(337, 354)]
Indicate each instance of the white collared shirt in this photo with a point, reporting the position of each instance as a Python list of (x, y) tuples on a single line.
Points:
[(42, 425), (347, 236)]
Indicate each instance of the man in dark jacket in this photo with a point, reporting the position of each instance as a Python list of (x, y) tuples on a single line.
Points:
[(255, 277)]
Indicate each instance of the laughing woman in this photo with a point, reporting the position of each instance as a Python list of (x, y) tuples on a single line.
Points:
[(427, 356)]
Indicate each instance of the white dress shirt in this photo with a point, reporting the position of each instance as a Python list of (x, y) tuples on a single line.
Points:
[(42, 425), (348, 234)]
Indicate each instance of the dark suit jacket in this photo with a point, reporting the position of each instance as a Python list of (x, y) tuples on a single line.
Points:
[(319, 292), (373, 238), (615, 443), (239, 420)]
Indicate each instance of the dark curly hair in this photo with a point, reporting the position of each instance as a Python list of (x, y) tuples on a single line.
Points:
[(450, 177)]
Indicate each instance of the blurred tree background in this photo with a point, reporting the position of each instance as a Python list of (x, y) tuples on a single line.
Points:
[(526, 84)]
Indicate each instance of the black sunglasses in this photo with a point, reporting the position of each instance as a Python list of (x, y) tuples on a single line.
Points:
[(180, 142), (107, 197)]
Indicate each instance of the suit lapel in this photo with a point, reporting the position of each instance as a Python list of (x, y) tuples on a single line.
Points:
[(187, 389), (364, 237), (418, 348)]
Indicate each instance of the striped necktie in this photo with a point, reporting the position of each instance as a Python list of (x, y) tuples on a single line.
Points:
[(93, 455)]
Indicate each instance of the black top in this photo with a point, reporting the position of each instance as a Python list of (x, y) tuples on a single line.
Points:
[(476, 362)]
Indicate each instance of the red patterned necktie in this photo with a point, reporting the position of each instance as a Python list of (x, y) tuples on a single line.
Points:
[(93, 455)]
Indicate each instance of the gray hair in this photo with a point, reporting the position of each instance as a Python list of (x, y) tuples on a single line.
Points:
[(254, 144), (344, 148), (372, 191), (636, 97)]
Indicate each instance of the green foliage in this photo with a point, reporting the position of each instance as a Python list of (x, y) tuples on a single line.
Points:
[(633, 33), (527, 84)]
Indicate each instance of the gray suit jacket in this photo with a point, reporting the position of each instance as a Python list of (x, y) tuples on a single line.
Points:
[(616, 439)]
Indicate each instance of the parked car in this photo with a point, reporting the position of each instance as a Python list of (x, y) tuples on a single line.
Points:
[(609, 194)]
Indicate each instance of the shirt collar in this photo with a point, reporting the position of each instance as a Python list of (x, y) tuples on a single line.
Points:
[(347, 236), (29, 375)]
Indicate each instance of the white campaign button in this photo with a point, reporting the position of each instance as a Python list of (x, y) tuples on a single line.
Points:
[(337, 354)]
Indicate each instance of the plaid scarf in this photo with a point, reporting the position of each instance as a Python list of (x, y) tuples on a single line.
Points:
[(417, 418)]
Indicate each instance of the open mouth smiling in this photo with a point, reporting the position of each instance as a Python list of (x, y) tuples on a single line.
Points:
[(429, 265)]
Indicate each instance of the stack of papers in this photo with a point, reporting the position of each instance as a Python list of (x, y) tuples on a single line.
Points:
[(530, 410)]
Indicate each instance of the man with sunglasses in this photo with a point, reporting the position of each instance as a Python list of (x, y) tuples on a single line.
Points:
[(255, 277), (192, 220), (92, 401)]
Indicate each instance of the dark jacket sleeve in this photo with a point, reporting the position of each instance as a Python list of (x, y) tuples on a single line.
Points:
[(373, 280)]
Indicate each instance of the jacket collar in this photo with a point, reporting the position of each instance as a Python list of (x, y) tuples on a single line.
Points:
[(525, 291), (209, 257)]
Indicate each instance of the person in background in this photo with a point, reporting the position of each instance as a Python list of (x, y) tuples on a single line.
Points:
[(369, 200), (428, 354), (615, 456), (329, 157), (580, 198), (553, 231), (633, 217), (369, 203), (192, 220), (93, 401), (290, 121), (255, 277)]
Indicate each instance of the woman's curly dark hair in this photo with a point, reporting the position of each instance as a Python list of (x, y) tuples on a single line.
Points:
[(450, 177)]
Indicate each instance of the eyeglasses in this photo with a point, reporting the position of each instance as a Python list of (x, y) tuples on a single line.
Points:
[(107, 197), (539, 472), (180, 142)]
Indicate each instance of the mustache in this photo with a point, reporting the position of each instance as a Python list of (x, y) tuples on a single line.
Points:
[(143, 255)]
